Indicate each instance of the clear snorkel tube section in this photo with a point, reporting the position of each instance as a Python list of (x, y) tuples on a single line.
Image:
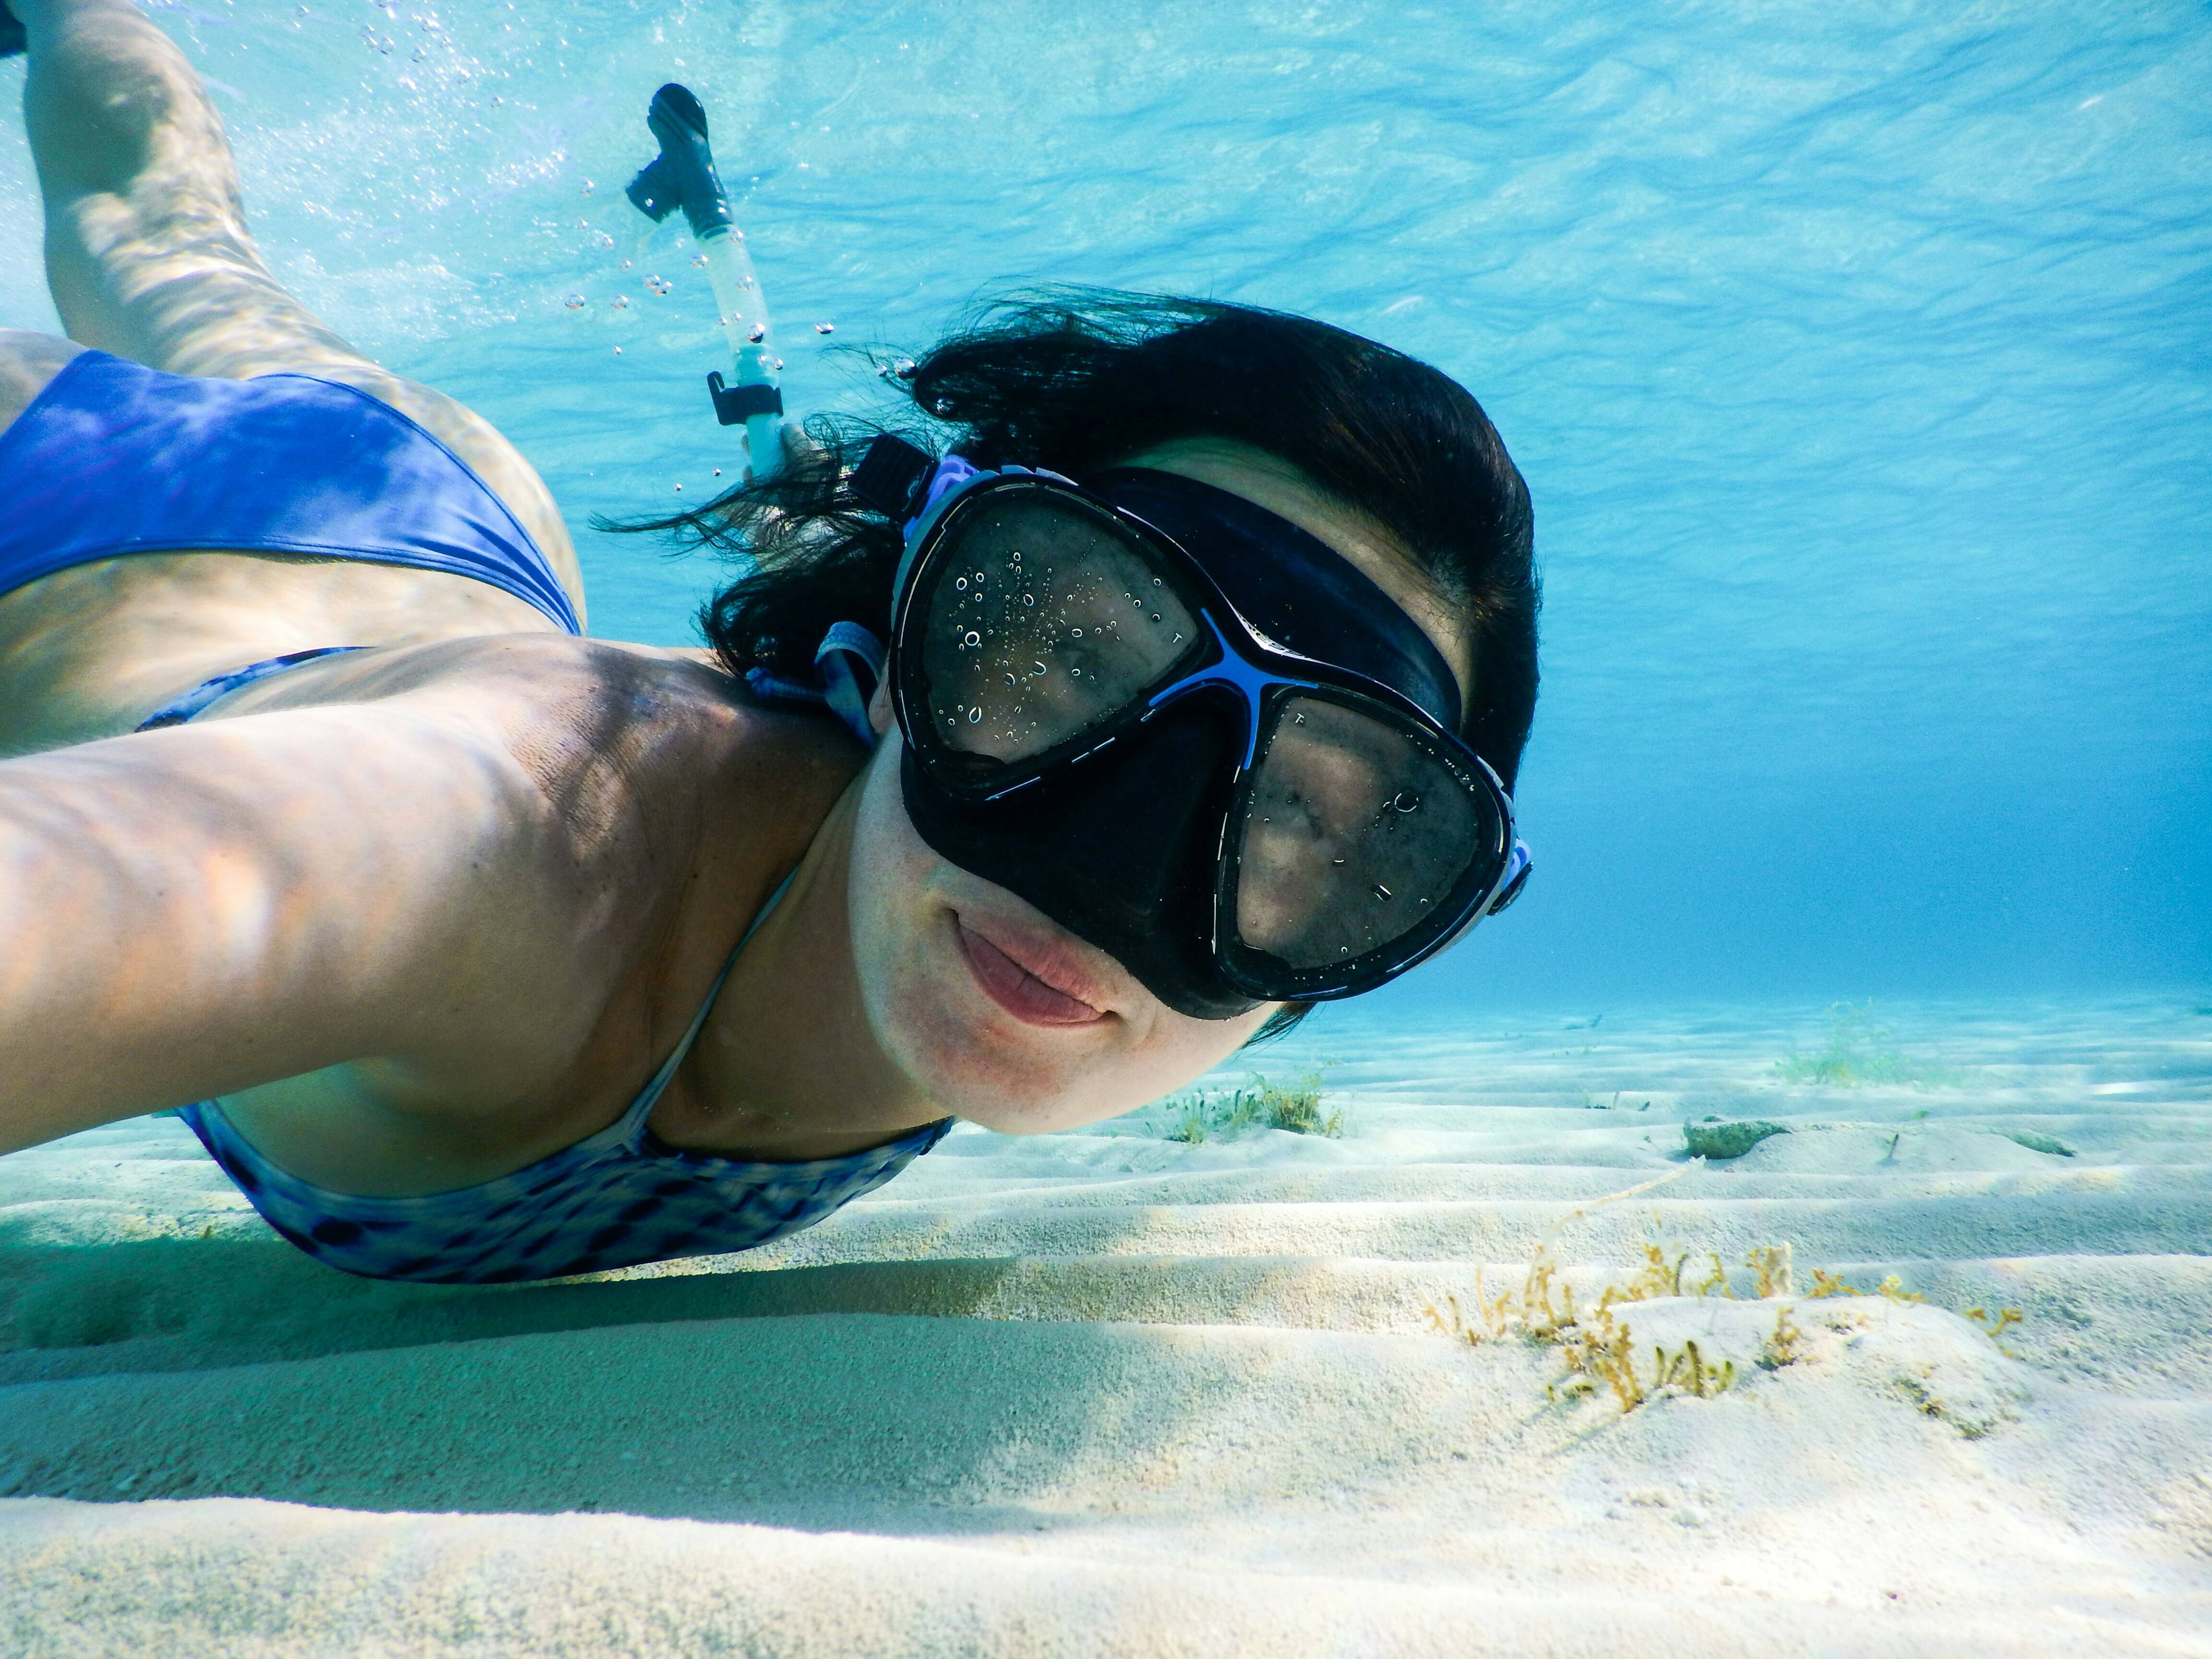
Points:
[(683, 175)]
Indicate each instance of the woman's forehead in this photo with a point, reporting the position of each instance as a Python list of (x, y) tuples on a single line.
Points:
[(1272, 482)]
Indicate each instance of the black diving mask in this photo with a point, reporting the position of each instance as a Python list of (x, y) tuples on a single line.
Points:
[(1185, 730)]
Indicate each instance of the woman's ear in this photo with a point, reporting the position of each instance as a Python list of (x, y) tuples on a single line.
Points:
[(879, 707)]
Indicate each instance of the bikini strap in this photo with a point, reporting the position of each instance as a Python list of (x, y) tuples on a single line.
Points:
[(632, 1125), (210, 691)]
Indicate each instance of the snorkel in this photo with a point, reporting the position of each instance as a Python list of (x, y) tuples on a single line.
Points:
[(683, 175)]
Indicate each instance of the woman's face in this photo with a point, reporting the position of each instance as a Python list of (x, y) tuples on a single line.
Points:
[(996, 1013)]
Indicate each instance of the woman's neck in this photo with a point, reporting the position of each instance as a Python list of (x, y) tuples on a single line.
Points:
[(787, 1067)]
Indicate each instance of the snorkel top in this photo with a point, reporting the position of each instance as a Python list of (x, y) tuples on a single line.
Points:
[(682, 176)]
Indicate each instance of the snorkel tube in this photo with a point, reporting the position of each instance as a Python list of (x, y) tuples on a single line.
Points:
[(683, 175)]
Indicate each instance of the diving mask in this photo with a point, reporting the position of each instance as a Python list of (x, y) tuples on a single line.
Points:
[(1185, 730)]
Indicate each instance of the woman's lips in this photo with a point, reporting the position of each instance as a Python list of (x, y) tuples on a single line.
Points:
[(1015, 989)]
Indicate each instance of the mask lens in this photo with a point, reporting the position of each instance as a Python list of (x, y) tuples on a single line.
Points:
[(1042, 620), (1358, 835)]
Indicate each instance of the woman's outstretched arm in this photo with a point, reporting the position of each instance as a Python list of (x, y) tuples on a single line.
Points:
[(190, 912)]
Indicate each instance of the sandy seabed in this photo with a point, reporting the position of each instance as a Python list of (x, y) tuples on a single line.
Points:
[(1112, 1394)]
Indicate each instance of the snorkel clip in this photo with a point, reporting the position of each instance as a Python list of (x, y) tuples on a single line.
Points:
[(735, 405)]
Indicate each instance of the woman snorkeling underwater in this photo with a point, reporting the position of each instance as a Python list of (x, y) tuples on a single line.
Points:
[(485, 951)]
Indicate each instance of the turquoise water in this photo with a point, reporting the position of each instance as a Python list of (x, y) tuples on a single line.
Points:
[(1855, 354)]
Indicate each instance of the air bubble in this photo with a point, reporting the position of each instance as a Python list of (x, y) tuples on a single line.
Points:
[(975, 714), (1036, 668), (1381, 892), (1029, 598), (1079, 632), (1011, 680), (960, 582), (1156, 615), (972, 638)]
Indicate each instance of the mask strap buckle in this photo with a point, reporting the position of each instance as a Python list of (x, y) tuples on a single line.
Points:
[(848, 653)]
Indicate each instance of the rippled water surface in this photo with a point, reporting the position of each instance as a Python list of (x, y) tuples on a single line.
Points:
[(1855, 354)]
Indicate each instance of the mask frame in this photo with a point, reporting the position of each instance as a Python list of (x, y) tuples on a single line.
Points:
[(1229, 663)]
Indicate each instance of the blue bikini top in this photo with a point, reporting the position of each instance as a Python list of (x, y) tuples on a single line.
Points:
[(114, 458)]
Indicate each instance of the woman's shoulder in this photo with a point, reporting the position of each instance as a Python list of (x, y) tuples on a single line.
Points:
[(687, 742), (611, 733)]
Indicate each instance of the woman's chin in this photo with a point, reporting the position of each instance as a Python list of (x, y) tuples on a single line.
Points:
[(989, 1066)]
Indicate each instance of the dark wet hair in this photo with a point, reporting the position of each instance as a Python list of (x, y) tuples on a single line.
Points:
[(1077, 380)]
